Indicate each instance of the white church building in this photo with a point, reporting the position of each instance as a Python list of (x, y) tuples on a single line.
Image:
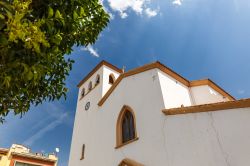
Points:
[(152, 116)]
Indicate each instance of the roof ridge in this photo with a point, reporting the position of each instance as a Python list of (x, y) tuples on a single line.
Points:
[(168, 71)]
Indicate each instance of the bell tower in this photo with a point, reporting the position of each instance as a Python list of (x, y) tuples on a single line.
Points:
[(95, 85), (91, 89)]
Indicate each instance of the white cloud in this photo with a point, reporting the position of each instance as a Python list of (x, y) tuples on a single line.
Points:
[(150, 13), (44, 130), (177, 2), (91, 50), (138, 6), (123, 15), (122, 6)]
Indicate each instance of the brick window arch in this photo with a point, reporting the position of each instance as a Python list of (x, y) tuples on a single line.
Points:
[(129, 162), (126, 127)]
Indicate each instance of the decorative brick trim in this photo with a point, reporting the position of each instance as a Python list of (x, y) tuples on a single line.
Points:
[(243, 103)]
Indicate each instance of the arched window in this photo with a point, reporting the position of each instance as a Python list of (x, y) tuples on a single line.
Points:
[(111, 78), (83, 92), (97, 80), (126, 127), (90, 85)]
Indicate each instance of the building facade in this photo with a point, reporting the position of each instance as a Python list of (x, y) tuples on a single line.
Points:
[(19, 155), (152, 116)]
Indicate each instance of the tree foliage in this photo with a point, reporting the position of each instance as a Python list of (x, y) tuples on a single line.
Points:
[(34, 37)]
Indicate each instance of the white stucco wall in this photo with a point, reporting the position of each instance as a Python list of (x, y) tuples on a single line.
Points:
[(84, 120), (174, 93), (143, 94), (205, 94), (219, 138)]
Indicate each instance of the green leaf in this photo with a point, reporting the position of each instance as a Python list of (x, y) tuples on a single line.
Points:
[(50, 12), (75, 15), (57, 39), (29, 75), (82, 13), (6, 81), (55, 49), (58, 14), (2, 16), (25, 67), (9, 14)]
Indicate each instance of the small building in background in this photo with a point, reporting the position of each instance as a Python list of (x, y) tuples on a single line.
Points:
[(19, 155)]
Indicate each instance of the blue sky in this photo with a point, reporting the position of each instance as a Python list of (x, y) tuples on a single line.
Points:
[(196, 38)]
